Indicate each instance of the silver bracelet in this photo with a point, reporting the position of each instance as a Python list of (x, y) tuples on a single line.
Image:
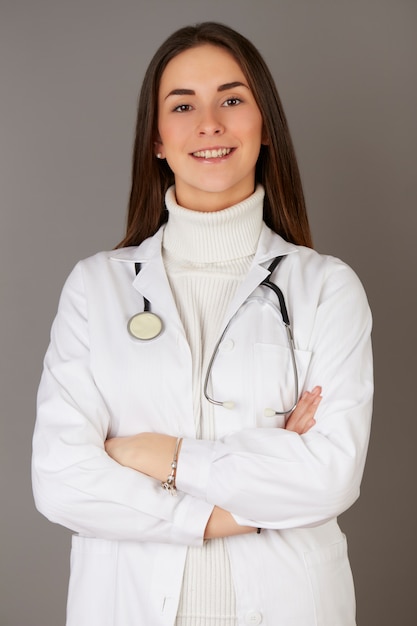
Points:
[(169, 484)]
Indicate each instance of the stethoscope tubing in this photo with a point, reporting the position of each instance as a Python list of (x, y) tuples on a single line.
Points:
[(228, 404)]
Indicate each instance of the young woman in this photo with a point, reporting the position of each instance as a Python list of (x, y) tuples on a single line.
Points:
[(172, 371)]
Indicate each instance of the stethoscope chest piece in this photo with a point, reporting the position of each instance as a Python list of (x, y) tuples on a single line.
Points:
[(145, 326)]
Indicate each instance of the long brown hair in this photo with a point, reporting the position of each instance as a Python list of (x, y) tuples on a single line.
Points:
[(276, 168)]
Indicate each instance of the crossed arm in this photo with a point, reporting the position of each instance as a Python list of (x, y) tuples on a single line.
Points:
[(152, 453)]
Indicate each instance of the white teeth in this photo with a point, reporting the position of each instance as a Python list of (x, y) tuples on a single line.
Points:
[(212, 154)]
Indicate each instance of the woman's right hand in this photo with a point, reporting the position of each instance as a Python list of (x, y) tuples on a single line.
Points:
[(302, 418)]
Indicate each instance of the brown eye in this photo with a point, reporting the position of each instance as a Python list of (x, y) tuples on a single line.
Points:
[(182, 108), (231, 102)]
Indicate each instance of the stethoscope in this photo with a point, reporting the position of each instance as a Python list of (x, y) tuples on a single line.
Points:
[(147, 325)]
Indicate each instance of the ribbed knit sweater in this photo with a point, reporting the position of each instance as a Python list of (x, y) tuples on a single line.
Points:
[(206, 256)]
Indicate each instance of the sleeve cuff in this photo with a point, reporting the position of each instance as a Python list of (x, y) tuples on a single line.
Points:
[(191, 523), (194, 465)]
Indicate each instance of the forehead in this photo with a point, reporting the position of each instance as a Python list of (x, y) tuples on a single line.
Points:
[(202, 64)]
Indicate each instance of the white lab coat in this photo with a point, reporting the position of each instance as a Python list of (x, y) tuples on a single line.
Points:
[(131, 537)]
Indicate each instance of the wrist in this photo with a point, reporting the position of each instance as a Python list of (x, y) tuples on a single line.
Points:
[(170, 483), (221, 523), (154, 454)]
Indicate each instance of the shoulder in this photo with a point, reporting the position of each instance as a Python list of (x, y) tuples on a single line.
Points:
[(92, 267), (315, 282), (326, 264), (306, 264), (113, 261), (102, 261), (96, 273), (330, 287), (105, 271), (327, 269)]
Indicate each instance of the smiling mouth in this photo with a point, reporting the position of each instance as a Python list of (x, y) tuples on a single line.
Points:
[(212, 154)]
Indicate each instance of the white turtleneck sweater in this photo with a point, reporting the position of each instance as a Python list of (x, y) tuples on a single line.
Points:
[(206, 256)]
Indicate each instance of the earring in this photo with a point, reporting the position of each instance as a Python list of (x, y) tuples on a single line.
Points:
[(159, 155)]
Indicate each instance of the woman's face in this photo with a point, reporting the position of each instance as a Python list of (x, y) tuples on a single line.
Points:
[(210, 128)]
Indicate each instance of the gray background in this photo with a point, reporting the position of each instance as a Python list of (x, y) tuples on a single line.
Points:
[(69, 79)]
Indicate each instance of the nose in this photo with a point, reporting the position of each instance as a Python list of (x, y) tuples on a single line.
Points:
[(209, 124)]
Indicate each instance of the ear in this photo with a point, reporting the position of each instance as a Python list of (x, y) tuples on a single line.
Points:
[(264, 138), (159, 150)]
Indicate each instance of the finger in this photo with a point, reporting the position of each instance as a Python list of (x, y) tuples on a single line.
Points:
[(300, 426), (307, 404), (307, 425), (302, 418), (308, 396)]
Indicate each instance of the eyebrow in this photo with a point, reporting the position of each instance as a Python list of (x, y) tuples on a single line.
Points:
[(220, 88)]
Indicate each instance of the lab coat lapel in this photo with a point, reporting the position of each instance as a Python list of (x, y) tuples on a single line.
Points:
[(256, 275), (151, 281), (270, 245)]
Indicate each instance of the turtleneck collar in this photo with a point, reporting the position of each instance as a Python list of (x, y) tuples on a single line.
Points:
[(213, 236)]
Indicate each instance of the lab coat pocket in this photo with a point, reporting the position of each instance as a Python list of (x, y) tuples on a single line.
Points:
[(92, 587), (275, 381), (331, 584)]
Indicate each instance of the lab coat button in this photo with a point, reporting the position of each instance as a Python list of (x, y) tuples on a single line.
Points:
[(253, 618), (227, 345)]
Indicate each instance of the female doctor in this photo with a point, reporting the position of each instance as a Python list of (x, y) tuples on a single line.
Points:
[(166, 435)]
